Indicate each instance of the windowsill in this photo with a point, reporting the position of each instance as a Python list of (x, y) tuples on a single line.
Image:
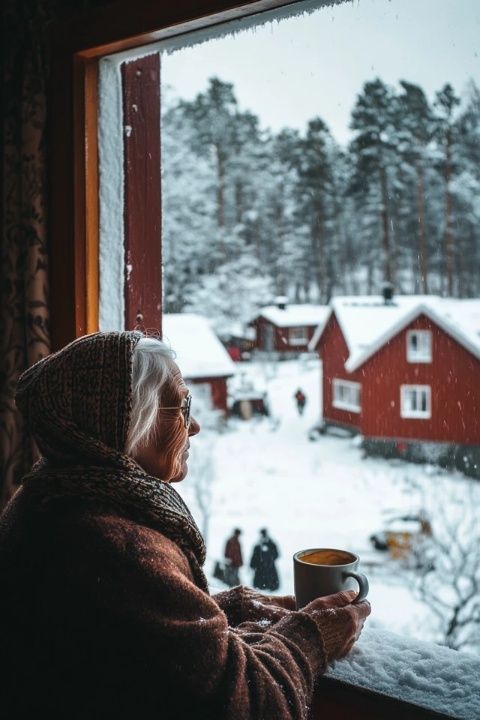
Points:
[(415, 416), (422, 676), (346, 406), (419, 359), (388, 676)]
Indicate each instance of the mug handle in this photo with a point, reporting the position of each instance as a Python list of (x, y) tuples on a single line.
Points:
[(363, 585)]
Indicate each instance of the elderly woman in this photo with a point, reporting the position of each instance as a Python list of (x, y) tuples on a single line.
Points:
[(104, 607)]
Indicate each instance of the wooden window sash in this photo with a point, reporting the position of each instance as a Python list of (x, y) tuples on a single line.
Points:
[(414, 410), (352, 390), (142, 193), (420, 349), (76, 48)]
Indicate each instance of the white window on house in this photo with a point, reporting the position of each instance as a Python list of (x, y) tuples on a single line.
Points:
[(346, 395), (298, 336), (415, 401), (419, 346)]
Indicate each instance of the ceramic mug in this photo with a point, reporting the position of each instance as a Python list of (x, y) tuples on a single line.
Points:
[(324, 571)]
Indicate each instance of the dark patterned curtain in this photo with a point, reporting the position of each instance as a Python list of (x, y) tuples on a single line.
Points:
[(24, 329), (24, 332)]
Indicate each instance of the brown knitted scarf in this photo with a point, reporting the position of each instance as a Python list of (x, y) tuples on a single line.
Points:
[(77, 404)]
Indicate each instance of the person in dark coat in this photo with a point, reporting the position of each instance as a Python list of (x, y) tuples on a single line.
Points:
[(234, 559), (265, 553), (301, 400), (105, 611)]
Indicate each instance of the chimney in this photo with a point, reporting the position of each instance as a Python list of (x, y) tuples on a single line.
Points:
[(281, 302), (387, 292)]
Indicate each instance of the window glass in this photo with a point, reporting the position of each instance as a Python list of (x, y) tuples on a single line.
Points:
[(297, 336), (419, 346), (326, 167), (415, 401), (330, 161), (346, 395)]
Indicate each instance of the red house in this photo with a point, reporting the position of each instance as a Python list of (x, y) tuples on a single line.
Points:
[(284, 328), (201, 357), (405, 374)]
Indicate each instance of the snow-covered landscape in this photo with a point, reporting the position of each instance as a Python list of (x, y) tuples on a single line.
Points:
[(321, 493), (330, 213)]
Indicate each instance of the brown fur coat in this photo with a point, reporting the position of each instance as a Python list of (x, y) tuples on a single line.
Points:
[(104, 608)]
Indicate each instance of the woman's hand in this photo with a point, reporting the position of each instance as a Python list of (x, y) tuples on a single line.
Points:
[(340, 621), (241, 604), (260, 607), (284, 601)]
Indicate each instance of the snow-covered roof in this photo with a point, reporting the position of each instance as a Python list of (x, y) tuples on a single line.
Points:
[(199, 353), (238, 330), (295, 315), (367, 323)]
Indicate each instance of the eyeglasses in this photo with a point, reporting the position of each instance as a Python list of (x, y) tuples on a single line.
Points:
[(186, 410)]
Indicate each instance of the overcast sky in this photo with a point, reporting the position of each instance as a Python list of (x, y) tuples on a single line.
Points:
[(289, 71)]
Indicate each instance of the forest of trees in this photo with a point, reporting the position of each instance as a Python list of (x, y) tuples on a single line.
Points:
[(250, 214)]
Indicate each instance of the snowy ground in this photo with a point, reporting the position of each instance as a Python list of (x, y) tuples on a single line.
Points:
[(313, 494)]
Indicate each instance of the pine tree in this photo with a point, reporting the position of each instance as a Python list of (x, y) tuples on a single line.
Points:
[(466, 189), (315, 190), (445, 103), (211, 113), (374, 160), (300, 216), (224, 136), (189, 211), (290, 238), (346, 254), (415, 130), (231, 296)]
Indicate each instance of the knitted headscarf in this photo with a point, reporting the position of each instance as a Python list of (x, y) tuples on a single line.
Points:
[(77, 404)]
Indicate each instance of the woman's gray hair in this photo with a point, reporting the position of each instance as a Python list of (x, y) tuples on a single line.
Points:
[(152, 371)]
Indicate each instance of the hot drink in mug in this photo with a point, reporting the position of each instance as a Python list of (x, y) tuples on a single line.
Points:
[(324, 571)]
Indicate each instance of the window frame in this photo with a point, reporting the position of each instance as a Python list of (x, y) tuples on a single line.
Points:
[(76, 49), (414, 356), (416, 414), (142, 211), (303, 340), (350, 385), (77, 46)]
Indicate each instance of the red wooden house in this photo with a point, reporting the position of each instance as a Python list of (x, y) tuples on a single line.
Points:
[(284, 328), (405, 374), (201, 357)]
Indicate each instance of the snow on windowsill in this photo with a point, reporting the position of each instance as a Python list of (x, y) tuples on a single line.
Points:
[(419, 673)]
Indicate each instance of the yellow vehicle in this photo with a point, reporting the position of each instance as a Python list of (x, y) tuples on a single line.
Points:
[(403, 536)]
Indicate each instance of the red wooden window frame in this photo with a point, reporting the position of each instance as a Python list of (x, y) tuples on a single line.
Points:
[(142, 192), (77, 47)]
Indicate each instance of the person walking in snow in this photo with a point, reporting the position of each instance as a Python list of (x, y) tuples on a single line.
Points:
[(234, 559), (264, 554), (301, 400)]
